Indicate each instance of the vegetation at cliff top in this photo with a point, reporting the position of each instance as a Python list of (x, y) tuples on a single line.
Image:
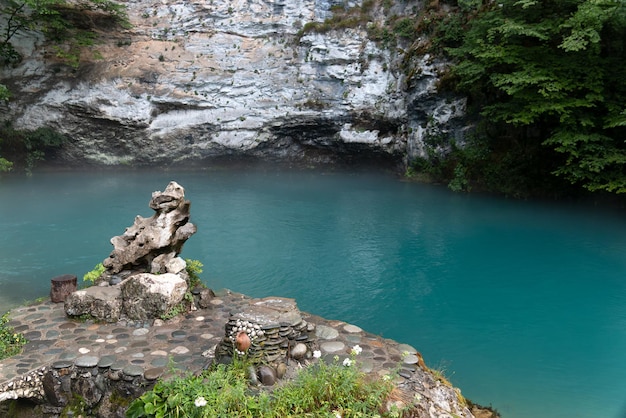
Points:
[(68, 26), (11, 342), (545, 82), (547, 87)]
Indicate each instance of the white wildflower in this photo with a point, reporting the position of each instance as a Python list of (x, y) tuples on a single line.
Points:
[(317, 354), (347, 362), (200, 401), (356, 350)]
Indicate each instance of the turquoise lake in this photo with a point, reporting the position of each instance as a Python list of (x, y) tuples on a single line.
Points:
[(521, 303)]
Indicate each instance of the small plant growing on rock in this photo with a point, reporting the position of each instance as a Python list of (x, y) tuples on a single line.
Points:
[(93, 275), (194, 269)]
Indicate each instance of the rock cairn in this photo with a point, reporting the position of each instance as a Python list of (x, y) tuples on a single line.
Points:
[(276, 333)]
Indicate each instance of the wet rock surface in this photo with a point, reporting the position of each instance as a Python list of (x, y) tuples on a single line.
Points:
[(101, 361)]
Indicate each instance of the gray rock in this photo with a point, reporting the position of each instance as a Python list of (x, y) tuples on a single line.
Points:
[(267, 375), (281, 370), (253, 379), (299, 351), (102, 302), (148, 295)]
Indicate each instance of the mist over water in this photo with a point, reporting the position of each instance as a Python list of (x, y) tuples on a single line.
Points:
[(523, 304)]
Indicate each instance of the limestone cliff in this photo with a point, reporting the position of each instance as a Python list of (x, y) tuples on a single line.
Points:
[(193, 80)]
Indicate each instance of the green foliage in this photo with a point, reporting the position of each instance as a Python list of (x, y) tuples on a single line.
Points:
[(194, 269), (324, 390), (70, 26), (5, 165), (11, 342), (547, 79), (94, 274), (5, 94), (320, 390), (26, 148)]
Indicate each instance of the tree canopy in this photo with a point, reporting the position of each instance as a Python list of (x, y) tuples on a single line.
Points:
[(551, 74)]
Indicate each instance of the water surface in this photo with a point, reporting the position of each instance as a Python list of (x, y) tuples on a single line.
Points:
[(522, 304)]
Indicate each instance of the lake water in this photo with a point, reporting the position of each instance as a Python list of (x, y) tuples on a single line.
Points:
[(522, 304)]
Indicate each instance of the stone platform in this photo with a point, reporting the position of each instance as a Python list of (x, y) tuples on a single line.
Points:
[(138, 353)]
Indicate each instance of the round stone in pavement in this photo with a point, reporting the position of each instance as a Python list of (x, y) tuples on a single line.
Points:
[(106, 361), (160, 362), (118, 365), (133, 370), (154, 373), (67, 356), (179, 334), (326, 333), (410, 359), (353, 329), (406, 348), (32, 335), (140, 331), (86, 361), (332, 346), (62, 364)]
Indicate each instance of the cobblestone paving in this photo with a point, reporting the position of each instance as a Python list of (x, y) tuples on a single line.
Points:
[(151, 348)]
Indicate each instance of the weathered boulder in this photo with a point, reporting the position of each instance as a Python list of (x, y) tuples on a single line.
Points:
[(144, 277), (151, 243), (102, 302), (148, 296)]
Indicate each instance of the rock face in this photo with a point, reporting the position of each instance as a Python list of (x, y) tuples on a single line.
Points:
[(144, 277), (194, 81)]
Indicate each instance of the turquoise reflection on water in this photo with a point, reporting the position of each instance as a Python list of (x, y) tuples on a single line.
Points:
[(522, 304)]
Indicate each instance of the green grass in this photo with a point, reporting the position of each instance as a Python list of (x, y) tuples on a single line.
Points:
[(319, 390), (11, 342)]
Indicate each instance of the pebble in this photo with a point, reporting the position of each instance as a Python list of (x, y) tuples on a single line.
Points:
[(299, 351), (267, 375), (179, 350)]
